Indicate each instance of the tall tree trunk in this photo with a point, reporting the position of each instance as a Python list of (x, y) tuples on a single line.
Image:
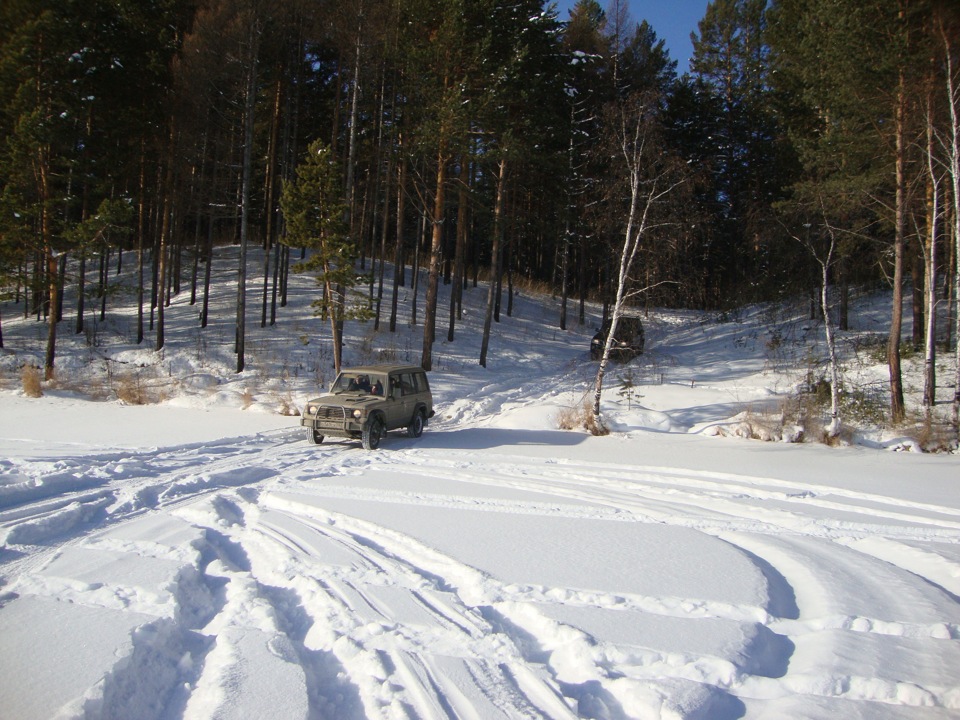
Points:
[(336, 310), (163, 241), (270, 200), (564, 276), (248, 121), (897, 408), (351, 194), (81, 289), (930, 276), (352, 148), (50, 259), (953, 154), (917, 254), (398, 266), (456, 287), (568, 227), (141, 231), (197, 231), (160, 272), (494, 260), (208, 246), (277, 255), (833, 427), (207, 271), (843, 322), (384, 232), (104, 280), (433, 281), (387, 178), (61, 283)]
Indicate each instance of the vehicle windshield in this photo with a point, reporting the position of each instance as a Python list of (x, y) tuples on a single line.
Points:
[(359, 382)]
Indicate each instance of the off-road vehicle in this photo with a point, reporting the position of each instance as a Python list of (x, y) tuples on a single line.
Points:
[(365, 403), (627, 343)]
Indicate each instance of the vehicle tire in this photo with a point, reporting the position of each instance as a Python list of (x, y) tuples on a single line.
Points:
[(372, 433), (415, 428), (313, 436)]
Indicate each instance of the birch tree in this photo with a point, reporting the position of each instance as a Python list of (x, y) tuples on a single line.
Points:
[(822, 243), (934, 216), (952, 143), (648, 176)]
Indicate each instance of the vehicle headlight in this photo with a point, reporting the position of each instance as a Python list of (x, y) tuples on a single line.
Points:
[(312, 409), (358, 413)]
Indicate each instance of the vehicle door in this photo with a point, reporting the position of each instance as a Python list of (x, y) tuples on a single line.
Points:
[(394, 404), (404, 394)]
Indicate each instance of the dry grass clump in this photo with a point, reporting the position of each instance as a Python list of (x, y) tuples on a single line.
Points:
[(130, 389), (934, 434), (288, 406), (31, 381), (753, 426), (581, 417)]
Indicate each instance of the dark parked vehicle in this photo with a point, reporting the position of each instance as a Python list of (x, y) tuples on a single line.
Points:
[(627, 343), (367, 402)]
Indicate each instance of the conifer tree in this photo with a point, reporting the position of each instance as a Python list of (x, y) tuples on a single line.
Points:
[(746, 166), (315, 216), (851, 68)]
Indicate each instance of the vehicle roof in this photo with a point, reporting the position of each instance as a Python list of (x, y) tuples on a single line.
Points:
[(381, 369), (626, 316)]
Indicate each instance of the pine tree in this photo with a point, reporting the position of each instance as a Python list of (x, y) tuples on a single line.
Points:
[(746, 166), (315, 214), (851, 68)]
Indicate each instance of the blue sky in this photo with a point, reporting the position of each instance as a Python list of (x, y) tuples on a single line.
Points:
[(673, 21)]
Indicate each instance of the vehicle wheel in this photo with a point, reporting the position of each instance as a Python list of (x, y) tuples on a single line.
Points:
[(415, 428), (372, 433), (314, 437)]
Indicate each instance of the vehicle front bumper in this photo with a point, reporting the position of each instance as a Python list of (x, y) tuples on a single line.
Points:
[(334, 421)]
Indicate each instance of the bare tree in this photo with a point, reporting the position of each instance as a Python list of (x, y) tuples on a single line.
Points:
[(253, 50), (650, 176), (953, 159), (898, 410), (934, 215), (823, 247), (495, 259)]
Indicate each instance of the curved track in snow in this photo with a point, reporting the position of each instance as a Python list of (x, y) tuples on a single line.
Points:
[(480, 573)]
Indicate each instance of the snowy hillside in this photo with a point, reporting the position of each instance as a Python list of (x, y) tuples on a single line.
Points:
[(197, 558)]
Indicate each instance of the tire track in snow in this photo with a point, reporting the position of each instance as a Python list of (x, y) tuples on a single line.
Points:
[(837, 655), (347, 611), (705, 501), (382, 621), (711, 493), (121, 486), (573, 661)]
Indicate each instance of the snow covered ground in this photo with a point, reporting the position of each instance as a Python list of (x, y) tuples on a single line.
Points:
[(197, 558)]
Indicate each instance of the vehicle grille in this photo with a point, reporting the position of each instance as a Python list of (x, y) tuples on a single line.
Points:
[(330, 416)]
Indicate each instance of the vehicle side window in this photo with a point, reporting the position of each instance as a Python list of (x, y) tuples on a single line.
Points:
[(406, 383), (420, 382)]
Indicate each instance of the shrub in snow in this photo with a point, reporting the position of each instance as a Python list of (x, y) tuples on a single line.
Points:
[(31, 381)]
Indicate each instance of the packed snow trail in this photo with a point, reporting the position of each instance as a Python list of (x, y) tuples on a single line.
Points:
[(472, 574)]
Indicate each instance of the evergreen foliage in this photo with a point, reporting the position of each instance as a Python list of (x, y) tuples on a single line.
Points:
[(466, 139)]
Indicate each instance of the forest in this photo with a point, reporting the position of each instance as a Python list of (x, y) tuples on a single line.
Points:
[(812, 148)]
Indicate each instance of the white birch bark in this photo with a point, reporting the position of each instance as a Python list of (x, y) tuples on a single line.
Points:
[(953, 154)]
